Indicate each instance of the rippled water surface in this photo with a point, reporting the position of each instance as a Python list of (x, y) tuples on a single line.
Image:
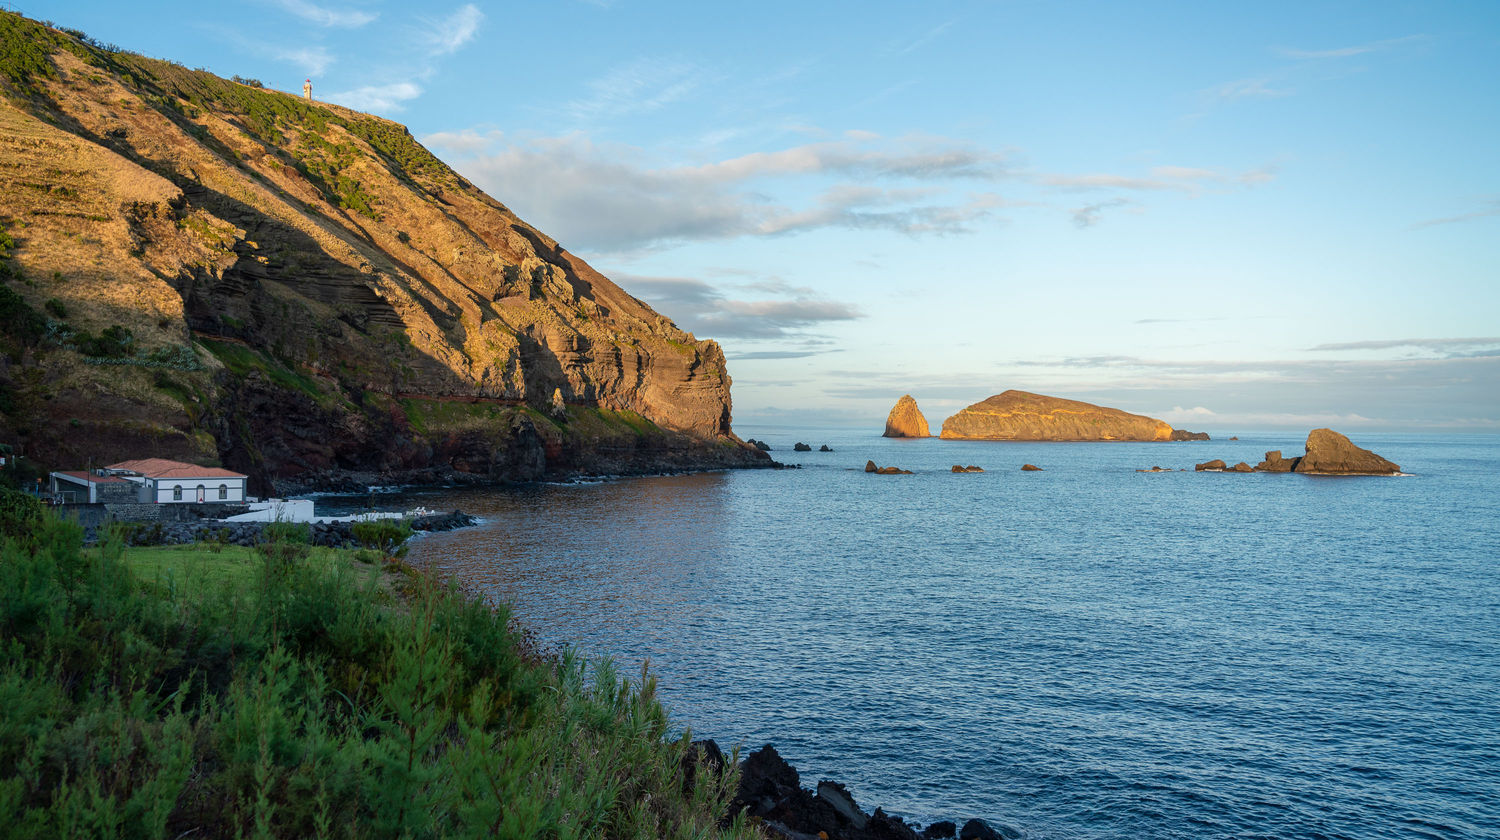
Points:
[(1084, 652)]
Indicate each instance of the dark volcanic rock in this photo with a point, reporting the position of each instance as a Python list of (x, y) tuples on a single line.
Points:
[(801, 447), (1030, 468), (1275, 463), (770, 793), (1217, 464), (759, 444), (825, 448), (1330, 453), (1184, 434), (871, 468), (981, 830), (940, 830)]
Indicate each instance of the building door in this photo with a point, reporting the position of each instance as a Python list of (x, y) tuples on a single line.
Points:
[(200, 492)]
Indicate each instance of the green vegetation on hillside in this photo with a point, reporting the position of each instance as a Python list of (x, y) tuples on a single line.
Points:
[(287, 694)]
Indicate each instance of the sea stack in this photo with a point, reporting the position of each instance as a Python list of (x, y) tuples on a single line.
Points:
[(1330, 453), (906, 420), (1020, 415)]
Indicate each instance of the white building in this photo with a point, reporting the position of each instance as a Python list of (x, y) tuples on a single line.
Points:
[(166, 482)]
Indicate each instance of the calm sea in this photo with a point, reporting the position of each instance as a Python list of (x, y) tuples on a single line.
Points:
[(1083, 652)]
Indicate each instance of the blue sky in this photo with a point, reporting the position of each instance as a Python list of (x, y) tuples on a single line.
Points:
[(1230, 216)]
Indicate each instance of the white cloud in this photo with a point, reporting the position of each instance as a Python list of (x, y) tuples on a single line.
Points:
[(607, 199), (449, 34), (466, 142), (311, 61), (1348, 52), (377, 98), (766, 310), (324, 16)]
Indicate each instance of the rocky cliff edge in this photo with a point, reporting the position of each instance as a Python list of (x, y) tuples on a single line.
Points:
[(207, 270)]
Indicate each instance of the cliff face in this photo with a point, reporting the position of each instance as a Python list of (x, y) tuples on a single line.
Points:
[(1019, 415), (305, 293), (906, 420)]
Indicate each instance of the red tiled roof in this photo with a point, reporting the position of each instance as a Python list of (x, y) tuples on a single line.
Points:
[(91, 478), (162, 468)]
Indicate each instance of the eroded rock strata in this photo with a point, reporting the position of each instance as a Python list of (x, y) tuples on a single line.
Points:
[(906, 420), (219, 272), (1021, 415)]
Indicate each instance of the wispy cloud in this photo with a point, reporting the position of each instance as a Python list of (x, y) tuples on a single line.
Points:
[(639, 87), (605, 198), (1186, 179), (325, 16), (922, 40), (1254, 88), (756, 311), (386, 98), (1489, 209), (1088, 215), (1348, 52), (1447, 348), (310, 60), (446, 35)]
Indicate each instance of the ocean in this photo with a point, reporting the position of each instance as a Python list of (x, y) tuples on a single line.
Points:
[(1083, 652)]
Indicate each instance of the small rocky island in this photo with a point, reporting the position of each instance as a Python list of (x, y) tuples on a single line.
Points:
[(906, 420), (1327, 453), (1021, 415)]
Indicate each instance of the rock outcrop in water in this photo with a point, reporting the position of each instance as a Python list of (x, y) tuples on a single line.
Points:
[(306, 294), (906, 420), (1330, 453), (771, 792), (1184, 434), (1021, 415)]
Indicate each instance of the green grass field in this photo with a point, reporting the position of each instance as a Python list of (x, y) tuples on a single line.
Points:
[(283, 691)]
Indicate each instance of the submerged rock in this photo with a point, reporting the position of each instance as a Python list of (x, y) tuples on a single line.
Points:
[(1184, 434), (1030, 468), (969, 469)]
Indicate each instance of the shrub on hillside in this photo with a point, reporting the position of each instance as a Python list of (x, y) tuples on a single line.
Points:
[(309, 707)]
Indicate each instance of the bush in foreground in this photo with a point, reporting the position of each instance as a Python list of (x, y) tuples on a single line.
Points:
[(311, 703)]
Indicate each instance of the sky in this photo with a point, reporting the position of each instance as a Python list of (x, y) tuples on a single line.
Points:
[(1228, 216)]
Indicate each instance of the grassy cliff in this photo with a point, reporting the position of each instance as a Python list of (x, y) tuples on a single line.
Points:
[(289, 692)]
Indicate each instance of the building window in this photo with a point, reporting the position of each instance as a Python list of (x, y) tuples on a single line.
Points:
[(177, 493), (223, 491)]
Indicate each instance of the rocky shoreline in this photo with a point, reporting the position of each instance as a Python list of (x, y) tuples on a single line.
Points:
[(771, 795), (330, 534)]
